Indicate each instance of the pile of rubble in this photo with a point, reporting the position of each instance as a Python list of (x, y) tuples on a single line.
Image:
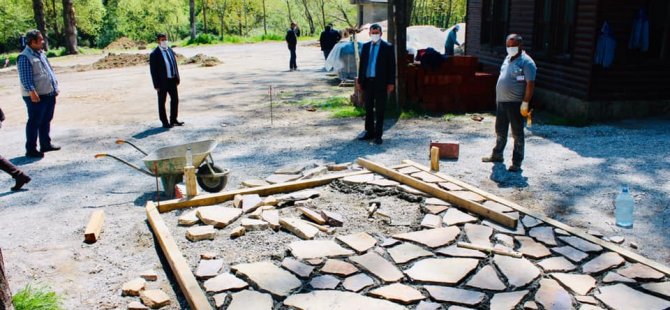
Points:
[(125, 43), (444, 258), (149, 298), (203, 60)]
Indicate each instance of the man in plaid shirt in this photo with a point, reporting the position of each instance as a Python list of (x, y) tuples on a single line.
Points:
[(39, 88)]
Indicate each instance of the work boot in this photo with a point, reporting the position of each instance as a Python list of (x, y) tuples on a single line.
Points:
[(492, 159), (21, 180)]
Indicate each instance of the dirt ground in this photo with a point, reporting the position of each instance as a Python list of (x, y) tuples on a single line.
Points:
[(571, 174)]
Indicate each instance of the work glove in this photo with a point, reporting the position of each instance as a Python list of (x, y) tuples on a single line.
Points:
[(524, 109)]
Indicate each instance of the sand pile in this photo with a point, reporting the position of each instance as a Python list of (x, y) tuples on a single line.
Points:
[(124, 43), (113, 60), (203, 60)]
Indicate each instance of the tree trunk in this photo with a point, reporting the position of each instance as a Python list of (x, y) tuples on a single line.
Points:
[(403, 12), (40, 21), (5, 292), (323, 13), (54, 18), (265, 23), (308, 16), (70, 27), (204, 15), (246, 22), (191, 7), (288, 6)]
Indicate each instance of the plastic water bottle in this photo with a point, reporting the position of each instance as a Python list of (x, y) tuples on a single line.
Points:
[(624, 209), (189, 157)]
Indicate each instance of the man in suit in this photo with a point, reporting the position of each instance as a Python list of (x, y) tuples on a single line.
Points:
[(292, 42), (165, 76), (329, 37), (376, 78)]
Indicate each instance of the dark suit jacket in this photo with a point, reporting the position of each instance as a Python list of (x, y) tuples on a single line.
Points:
[(159, 70), (291, 38), (385, 63)]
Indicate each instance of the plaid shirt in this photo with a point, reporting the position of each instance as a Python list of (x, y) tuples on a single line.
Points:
[(26, 72)]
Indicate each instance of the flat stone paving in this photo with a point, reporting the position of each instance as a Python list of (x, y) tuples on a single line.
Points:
[(426, 269)]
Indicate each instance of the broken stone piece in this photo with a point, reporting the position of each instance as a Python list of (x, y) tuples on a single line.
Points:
[(299, 228), (580, 284), (208, 268), (218, 216), (188, 219), (333, 218), (520, 230), (571, 253), (407, 252), (530, 221), (282, 178), (326, 282), (291, 169), (427, 177), (433, 238), (300, 269), (155, 299), (270, 201), (238, 232), (611, 277), (237, 201), (450, 186), (136, 305), (360, 242), (621, 296), (269, 277), (224, 282), (409, 170), (435, 209), (505, 240), (507, 301), (383, 183), (251, 203), (518, 271), (272, 218), (455, 295), (455, 217), (468, 195), (436, 201), (397, 292), (557, 263), (133, 288), (338, 267), (431, 221), (640, 272), (358, 179), (498, 207), (254, 225), (317, 249), (314, 172), (314, 216), (582, 244), (552, 296), (487, 279), (338, 300), (586, 300), (661, 288), (442, 270), (247, 300), (338, 167), (378, 266), (255, 183), (479, 234), (427, 305), (357, 282), (410, 190), (531, 248), (603, 262), (456, 251), (595, 233), (201, 233), (617, 239), (543, 234), (220, 299), (530, 305), (149, 275), (299, 195)]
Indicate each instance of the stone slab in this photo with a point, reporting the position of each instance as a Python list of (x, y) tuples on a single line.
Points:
[(255, 183), (455, 251), (552, 296), (282, 178), (269, 277), (383, 183), (507, 301), (427, 177), (431, 221), (254, 225), (208, 268), (571, 253), (432, 238), (218, 216), (611, 277), (358, 179), (149, 275), (247, 300), (581, 244), (487, 279), (291, 169), (189, 218), (136, 305), (580, 284), (410, 190), (224, 282), (436, 201), (326, 282), (639, 271), (272, 218), (442, 270), (435, 209), (133, 287), (338, 167), (455, 217), (455, 295), (299, 228), (155, 299), (505, 240), (450, 186), (407, 252), (543, 234), (219, 300), (409, 170), (338, 267), (238, 232), (300, 269), (317, 249), (357, 282), (378, 266), (520, 230), (557, 263), (200, 233), (496, 206), (312, 215), (338, 300), (333, 218), (621, 296), (531, 248), (661, 288), (603, 262), (468, 195), (478, 234), (251, 202), (530, 221), (397, 292), (360, 242), (427, 305), (518, 271)]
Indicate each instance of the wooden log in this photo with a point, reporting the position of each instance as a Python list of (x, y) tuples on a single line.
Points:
[(212, 199), (435, 158), (489, 249), (196, 298), (468, 205), (5, 292), (94, 227), (572, 230), (189, 180)]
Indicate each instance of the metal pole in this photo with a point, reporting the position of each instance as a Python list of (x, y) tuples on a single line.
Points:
[(271, 111)]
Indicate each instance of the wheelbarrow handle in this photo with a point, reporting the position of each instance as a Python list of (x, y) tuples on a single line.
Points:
[(127, 163), (121, 141)]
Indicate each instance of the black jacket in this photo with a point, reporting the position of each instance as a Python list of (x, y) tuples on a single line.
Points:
[(385, 63), (329, 38), (159, 70), (291, 38)]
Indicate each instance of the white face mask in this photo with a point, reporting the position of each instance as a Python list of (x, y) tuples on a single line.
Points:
[(164, 44), (512, 51), (375, 37)]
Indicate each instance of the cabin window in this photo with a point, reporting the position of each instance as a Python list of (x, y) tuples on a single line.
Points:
[(495, 19), (659, 30), (554, 34)]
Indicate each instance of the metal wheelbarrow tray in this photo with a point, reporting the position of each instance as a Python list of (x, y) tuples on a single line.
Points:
[(168, 164)]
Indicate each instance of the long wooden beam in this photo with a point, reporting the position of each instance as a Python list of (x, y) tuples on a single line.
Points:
[(573, 230), (211, 199), (471, 206), (196, 298)]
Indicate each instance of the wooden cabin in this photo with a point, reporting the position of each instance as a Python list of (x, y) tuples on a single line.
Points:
[(562, 36)]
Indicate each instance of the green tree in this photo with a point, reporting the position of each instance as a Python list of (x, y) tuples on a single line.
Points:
[(141, 20), (20, 13)]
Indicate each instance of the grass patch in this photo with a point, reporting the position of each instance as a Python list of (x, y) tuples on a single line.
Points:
[(339, 107), (409, 114), (210, 39), (449, 117), (36, 298)]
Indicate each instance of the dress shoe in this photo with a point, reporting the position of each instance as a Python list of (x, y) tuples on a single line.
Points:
[(514, 168), (177, 123), (365, 136), (49, 148), (167, 125), (492, 159), (21, 180), (378, 141), (34, 154)]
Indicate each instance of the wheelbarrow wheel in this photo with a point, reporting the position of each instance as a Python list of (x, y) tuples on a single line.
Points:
[(210, 183)]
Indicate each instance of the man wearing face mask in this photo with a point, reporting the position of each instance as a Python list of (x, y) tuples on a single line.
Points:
[(376, 78), (514, 91), (451, 41), (292, 42), (165, 77)]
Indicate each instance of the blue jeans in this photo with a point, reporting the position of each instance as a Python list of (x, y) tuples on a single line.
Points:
[(40, 115)]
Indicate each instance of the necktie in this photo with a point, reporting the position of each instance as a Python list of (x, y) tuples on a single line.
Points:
[(171, 61)]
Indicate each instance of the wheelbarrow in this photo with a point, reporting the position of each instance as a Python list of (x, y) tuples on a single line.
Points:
[(168, 164)]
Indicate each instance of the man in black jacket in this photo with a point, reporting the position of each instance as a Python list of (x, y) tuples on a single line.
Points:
[(292, 41), (329, 37), (376, 78), (165, 76)]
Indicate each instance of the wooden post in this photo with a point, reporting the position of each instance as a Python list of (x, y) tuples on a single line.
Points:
[(189, 179), (434, 190), (489, 249), (435, 159), (5, 292), (94, 226)]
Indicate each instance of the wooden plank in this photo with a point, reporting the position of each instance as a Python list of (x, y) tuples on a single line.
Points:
[(211, 199), (468, 205), (489, 249), (572, 230), (196, 298), (435, 158), (94, 227)]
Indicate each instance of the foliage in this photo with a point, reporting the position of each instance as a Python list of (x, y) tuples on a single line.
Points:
[(449, 117), (36, 298), (408, 114), (339, 107), (439, 13), (16, 16), (142, 20)]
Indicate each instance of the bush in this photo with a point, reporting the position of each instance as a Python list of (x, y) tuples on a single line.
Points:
[(36, 298), (203, 38)]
